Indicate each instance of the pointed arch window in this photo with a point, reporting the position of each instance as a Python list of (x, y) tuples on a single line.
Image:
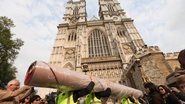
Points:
[(75, 11), (98, 44), (110, 8), (72, 36), (121, 34)]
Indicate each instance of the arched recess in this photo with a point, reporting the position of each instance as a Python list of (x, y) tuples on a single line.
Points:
[(75, 11), (69, 66), (72, 36), (110, 7), (121, 34), (98, 44)]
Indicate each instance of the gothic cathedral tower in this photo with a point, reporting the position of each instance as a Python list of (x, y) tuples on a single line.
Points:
[(98, 47)]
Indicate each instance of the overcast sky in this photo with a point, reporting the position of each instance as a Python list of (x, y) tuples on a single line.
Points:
[(159, 22)]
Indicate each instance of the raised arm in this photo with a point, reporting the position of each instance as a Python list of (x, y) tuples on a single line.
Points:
[(25, 94), (4, 94)]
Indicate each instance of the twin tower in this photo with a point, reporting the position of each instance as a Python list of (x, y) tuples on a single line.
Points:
[(108, 47)]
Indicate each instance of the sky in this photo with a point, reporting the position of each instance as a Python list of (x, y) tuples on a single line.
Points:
[(159, 22)]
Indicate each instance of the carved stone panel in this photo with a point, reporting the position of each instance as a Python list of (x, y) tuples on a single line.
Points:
[(111, 70), (70, 54), (127, 49)]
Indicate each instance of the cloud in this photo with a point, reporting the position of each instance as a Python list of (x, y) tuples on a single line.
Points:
[(159, 22), (36, 24)]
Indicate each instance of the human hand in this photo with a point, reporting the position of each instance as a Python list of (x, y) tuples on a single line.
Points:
[(175, 89)]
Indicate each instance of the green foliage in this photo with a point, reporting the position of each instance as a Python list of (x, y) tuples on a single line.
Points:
[(9, 48)]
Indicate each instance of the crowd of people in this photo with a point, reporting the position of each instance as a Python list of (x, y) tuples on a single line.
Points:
[(14, 94), (162, 94), (34, 99), (153, 94)]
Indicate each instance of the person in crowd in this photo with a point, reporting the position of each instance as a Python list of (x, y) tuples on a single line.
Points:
[(35, 99), (44, 101), (180, 75), (13, 93), (73, 96), (100, 97), (181, 58), (142, 100), (154, 97), (26, 100), (168, 96), (181, 83), (180, 89)]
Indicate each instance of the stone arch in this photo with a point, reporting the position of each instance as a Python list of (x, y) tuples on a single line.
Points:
[(121, 31), (72, 36), (98, 28), (76, 10), (98, 44), (69, 66)]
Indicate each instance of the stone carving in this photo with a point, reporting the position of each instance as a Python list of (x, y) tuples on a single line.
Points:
[(127, 49), (110, 71), (74, 19), (69, 66), (70, 54)]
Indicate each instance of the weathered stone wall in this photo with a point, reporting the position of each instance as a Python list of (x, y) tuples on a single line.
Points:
[(155, 67), (171, 59), (150, 64), (135, 78)]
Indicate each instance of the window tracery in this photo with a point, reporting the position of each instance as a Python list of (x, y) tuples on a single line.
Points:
[(98, 44), (110, 8), (72, 36)]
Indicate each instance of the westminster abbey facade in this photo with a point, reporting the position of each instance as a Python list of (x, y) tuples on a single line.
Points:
[(109, 47)]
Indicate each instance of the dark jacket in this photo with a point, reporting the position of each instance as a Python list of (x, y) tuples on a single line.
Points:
[(181, 96), (155, 98), (171, 99)]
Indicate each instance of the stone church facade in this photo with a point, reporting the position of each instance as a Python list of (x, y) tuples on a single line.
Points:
[(109, 47)]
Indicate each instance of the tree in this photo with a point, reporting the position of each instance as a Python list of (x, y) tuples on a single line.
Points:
[(9, 48)]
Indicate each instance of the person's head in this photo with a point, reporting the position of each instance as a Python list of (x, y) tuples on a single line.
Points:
[(26, 100), (181, 83), (181, 58), (150, 87), (163, 90), (35, 99), (13, 85), (44, 101)]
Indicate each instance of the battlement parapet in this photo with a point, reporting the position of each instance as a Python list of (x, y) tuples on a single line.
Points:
[(154, 48), (146, 50), (172, 55)]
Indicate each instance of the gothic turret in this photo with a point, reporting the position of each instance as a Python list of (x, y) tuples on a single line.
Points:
[(110, 9), (75, 12)]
